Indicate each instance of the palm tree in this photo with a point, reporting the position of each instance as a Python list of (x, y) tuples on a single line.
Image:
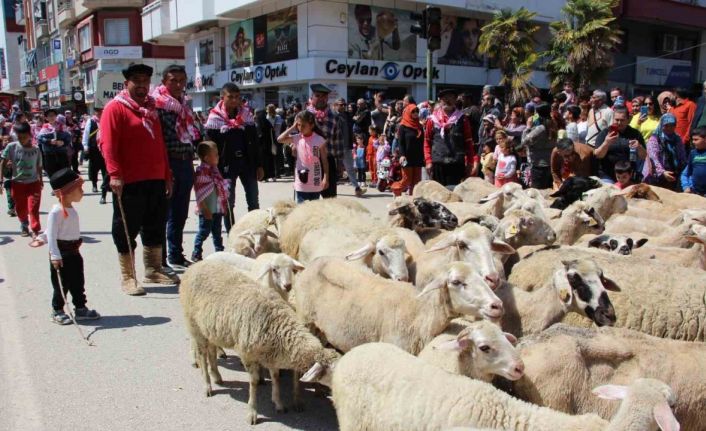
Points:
[(508, 40), (581, 51)]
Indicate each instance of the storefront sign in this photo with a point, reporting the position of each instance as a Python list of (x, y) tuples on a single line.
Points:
[(117, 52), (108, 85), (389, 71), (663, 72), (258, 74), (200, 82), (49, 72)]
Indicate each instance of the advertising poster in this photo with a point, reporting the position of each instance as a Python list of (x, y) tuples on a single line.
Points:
[(459, 41), (663, 72), (376, 33), (205, 52), (240, 36), (260, 31), (282, 35)]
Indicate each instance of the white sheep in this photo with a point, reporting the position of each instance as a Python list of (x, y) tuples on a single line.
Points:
[(433, 191), (577, 220), (223, 307), (607, 200), (564, 362), (351, 307), (249, 235), (694, 257), (379, 387), (473, 189), (576, 285), (479, 350), (657, 299), (521, 228)]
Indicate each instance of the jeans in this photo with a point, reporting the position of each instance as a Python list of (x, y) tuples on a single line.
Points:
[(348, 164), (248, 177), (71, 279), (145, 204), (178, 209), (307, 196), (206, 227)]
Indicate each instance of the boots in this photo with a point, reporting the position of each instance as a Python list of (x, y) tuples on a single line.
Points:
[(152, 257), (129, 282)]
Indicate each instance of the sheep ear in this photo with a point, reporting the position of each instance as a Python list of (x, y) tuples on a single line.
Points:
[(611, 392), (298, 266), (456, 345), (501, 247), (491, 197), (314, 373), (362, 252), (401, 209), (435, 284), (609, 284), (597, 241), (511, 338), (665, 417), (445, 243), (271, 234), (266, 270)]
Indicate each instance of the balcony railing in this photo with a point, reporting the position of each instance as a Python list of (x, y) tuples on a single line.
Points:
[(41, 29), (98, 4), (65, 13)]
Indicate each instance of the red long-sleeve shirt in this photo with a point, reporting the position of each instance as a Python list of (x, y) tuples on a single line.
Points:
[(471, 156), (130, 152)]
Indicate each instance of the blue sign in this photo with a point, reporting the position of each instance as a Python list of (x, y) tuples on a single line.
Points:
[(259, 74), (390, 71), (57, 44)]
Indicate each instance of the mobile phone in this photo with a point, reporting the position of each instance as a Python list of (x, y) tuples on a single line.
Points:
[(613, 128), (643, 110)]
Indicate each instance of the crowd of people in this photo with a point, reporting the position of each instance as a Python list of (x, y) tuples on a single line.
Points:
[(145, 141)]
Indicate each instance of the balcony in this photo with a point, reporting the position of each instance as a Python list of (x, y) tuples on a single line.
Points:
[(156, 26), (65, 13), (20, 14), (41, 29), (100, 4)]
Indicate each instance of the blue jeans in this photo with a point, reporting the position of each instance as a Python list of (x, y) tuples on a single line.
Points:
[(307, 196), (248, 177), (206, 227), (178, 208)]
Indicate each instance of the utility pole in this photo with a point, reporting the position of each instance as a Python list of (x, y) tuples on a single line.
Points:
[(428, 27)]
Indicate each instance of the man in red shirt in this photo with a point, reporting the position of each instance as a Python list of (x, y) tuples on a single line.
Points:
[(684, 111), (136, 160), (449, 153)]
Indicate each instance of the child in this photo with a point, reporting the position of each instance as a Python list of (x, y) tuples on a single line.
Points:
[(63, 235), (7, 181), (506, 171), (488, 162), (211, 197), (623, 174), (309, 147), (383, 150), (26, 178), (371, 153), (693, 178), (359, 158)]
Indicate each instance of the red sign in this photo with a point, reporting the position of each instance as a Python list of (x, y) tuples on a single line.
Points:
[(49, 72)]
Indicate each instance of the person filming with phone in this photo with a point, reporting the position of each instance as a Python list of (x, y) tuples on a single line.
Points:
[(617, 143)]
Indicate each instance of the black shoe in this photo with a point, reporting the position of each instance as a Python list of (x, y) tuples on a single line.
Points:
[(95, 189), (25, 231), (86, 314), (102, 201), (178, 263), (11, 212), (196, 257)]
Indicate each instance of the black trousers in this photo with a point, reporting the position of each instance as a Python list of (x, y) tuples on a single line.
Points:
[(54, 161), (145, 204), (248, 177), (541, 177), (332, 190), (71, 278), (448, 174), (96, 164), (361, 175)]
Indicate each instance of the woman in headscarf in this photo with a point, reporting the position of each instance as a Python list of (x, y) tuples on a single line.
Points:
[(665, 155), (410, 137)]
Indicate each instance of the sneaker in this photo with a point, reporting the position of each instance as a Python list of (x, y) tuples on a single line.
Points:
[(86, 314), (60, 318), (196, 257), (11, 212), (25, 231), (178, 263)]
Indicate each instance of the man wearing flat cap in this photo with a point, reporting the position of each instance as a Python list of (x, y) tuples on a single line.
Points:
[(136, 159), (327, 122), (449, 153)]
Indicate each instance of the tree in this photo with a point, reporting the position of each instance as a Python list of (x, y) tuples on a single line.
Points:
[(583, 43), (509, 41)]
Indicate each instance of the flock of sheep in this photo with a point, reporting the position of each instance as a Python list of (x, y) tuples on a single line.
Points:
[(478, 308)]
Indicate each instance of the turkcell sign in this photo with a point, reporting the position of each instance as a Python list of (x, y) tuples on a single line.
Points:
[(389, 71), (258, 74)]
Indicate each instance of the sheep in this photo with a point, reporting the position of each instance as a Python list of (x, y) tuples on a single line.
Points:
[(619, 244), (465, 211), (378, 386), (694, 257), (607, 201), (223, 307), (498, 202), (576, 285), (679, 200), (479, 350), (572, 189), (521, 228), (657, 299), (563, 363), (351, 307), (383, 251), (575, 221), (239, 261), (469, 243), (420, 214), (249, 235), (473, 189), (433, 191)]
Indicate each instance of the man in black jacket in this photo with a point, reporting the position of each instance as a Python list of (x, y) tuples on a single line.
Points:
[(231, 126)]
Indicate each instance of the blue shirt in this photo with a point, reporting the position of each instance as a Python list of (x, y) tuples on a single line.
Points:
[(694, 175)]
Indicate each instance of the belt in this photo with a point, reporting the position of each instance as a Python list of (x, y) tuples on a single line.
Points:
[(69, 247), (181, 156)]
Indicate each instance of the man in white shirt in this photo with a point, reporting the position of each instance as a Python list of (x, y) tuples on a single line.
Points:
[(599, 117)]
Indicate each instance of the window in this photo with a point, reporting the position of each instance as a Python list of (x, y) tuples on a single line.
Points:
[(117, 31), (206, 52), (84, 38)]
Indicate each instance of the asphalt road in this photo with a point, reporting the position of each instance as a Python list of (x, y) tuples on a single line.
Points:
[(138, 376)]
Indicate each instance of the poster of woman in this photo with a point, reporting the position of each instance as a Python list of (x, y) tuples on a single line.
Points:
[(459, 41), (376, 33), (241, 46)]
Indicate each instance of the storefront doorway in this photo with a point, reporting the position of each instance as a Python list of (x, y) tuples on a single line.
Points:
[(356, 92)]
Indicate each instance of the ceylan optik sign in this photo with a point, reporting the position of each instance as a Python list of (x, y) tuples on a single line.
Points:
[(258, 74), (389, 71)]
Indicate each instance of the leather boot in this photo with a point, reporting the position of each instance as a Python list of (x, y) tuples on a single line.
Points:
[(129, 283), (152, 257)]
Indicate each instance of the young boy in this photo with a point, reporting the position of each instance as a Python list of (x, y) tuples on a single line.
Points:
[(63, 235), (371, 153), (623, 174), (212, 198), (693, 178), (26, 178)]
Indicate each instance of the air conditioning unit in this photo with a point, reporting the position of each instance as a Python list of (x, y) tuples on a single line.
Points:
[(670, 43)]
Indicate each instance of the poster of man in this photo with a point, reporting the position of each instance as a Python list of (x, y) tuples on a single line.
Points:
[(282, 35), (376, 33), (459, 41), (241, 46)]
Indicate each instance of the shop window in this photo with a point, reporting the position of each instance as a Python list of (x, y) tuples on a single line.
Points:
[(84, 38), (116, 31)]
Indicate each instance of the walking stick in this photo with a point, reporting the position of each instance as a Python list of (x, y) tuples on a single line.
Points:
[(127, 238), (71, 315)]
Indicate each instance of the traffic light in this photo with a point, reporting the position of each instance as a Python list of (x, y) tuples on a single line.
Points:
[(420, 29), (432, 19)]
